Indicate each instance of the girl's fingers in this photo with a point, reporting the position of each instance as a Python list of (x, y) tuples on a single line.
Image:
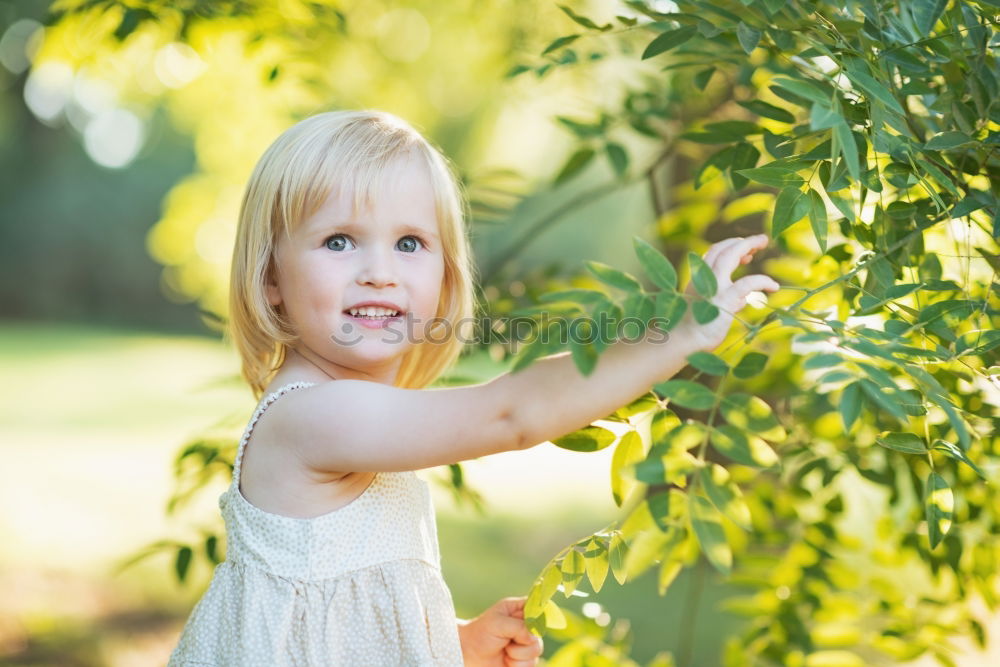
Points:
[(757, 282), (524, 652), (712, 254), (733, 255)]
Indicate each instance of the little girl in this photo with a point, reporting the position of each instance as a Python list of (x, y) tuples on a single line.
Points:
[(351, 291)]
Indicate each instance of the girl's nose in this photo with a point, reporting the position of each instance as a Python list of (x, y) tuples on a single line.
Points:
[(378, 270)]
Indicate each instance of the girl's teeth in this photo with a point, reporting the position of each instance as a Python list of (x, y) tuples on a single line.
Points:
[(372, 313)]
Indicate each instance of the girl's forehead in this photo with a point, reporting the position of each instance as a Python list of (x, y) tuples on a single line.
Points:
[(403, 189)]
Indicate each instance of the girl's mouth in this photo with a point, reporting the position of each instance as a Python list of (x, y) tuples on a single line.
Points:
[(374, 322)]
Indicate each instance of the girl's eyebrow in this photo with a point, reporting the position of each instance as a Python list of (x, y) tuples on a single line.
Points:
[(401, 228)]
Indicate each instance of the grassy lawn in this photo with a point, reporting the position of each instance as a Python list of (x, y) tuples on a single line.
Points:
[(90, 421)]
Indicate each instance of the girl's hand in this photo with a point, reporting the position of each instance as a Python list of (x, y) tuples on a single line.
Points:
[(499, 637), (730, 297)]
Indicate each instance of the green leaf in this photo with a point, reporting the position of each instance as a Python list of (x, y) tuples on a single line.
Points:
[(583, 20), (741, 447), (659, 509), (952, 451), (559, 43), (597, 562), (704, 311), (874, 89), (183, 562), (572, 569), (618, 550), (791, 206), (702, 78), (850, 405), (768, 111), (628, 452), (707, 362), (881, 399), (702, 276), (843, 140), (823, 117), (822, 360), (725, 494), (908, 443), (747, 36), (926, 13), (617, 157), (707, 527), (939, 503), (656, 265), (817, 218), (751, 364), (778, 177), (947, 140), (753, 414), (587, 439), (805, 89), (669, 40), (669, 308), (687, 394), (584, 354), (576, 162), (745, 156), (542, 590), (609, 275)]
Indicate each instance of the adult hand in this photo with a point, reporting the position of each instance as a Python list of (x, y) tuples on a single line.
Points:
[(499, 637)]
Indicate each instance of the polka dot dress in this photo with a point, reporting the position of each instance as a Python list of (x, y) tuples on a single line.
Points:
[(358, 586)]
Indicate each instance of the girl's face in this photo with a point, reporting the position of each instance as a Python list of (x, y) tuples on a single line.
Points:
[(334, 261)]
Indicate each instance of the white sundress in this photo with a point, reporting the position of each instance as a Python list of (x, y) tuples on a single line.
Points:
[(357, 586)]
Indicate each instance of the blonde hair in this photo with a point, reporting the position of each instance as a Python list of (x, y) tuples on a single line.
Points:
[(349, 150)]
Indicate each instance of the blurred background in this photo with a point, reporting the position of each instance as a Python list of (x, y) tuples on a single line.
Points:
[(126, 136)]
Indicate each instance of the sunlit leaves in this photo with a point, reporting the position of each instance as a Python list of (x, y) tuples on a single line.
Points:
[(575, 164), (950, 450), (617, 551), (850, 405), (939, 503), (596, 563), (742, 447), (687, 394), (613, 277), (707, 525), (669, 40), (791, 206), (628, 451), (702, 276), (725, 494), (752, 413), (656, 265), (778, 177), (750, 365), (587, 439), (707, 362), (908, 443)]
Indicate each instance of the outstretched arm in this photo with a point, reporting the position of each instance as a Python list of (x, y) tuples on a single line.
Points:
[(551, 397), (352, 425)]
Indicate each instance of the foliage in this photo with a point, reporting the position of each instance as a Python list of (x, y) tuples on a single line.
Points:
[(834, 457)]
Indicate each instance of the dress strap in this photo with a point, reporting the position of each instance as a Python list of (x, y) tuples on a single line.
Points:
[(264, 403)]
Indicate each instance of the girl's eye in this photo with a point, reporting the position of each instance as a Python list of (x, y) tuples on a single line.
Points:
[(409, 241), (336, 242)]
